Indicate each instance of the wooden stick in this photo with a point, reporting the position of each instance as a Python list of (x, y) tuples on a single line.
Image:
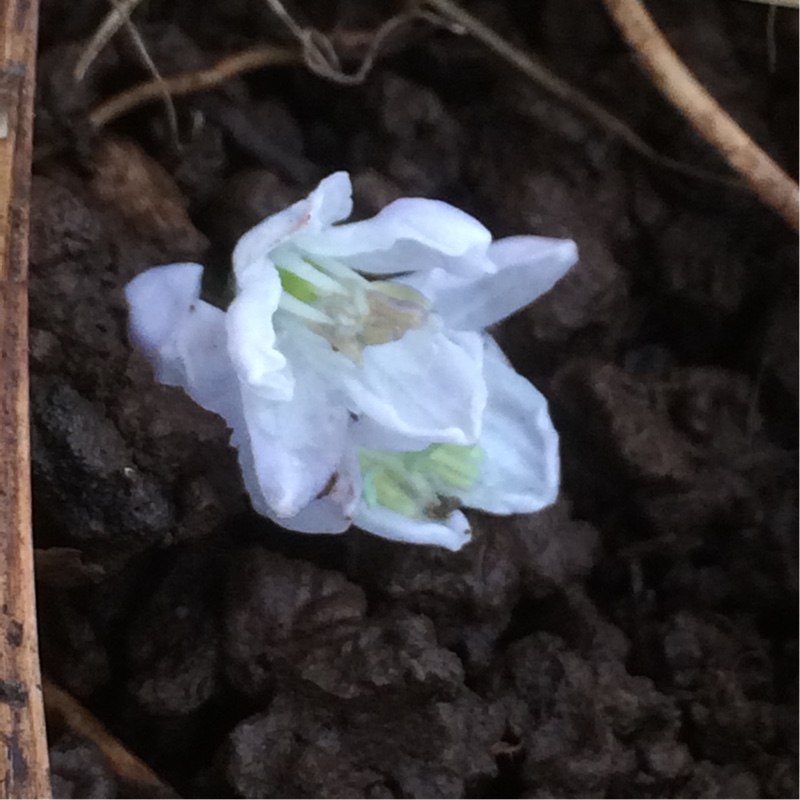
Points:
[(67, 711), (23, 745), (769, 182)]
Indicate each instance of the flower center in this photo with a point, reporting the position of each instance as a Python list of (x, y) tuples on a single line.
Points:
[(344, 307), (422, 484)]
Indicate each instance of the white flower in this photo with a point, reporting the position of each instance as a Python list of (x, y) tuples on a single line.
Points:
[(513, 469), (379, 400)]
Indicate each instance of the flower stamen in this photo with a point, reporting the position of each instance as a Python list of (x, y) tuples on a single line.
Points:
[(419, 484), (345, 308)]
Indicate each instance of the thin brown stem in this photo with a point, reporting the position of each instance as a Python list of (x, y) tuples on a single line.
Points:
[(112, 22), (65, 711), (237, 64), (452, 12), (23, 744), (144, 55), (769, 182), (198, 81)]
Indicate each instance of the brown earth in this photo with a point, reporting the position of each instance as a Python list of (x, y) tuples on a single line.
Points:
[(637, 639)]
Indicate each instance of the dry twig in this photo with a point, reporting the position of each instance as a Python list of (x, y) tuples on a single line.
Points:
[(319, 52), (769, 182), (237, 64), (190, 82), (23, 745), (118, 17), (112, 22), (63, 710), (452, 12), (144, 55)]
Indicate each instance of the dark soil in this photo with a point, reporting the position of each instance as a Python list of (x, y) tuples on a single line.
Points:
[(637, 639)]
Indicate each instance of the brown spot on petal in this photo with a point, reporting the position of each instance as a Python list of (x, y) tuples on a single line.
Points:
[(330, 486)]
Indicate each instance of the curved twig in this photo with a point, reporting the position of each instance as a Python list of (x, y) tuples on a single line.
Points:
[(64, 710), (450, 11), (226, 68), (188, 82), (112, 22), (769, 182)]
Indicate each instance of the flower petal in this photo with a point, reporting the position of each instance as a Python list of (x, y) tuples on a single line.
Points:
[(184, 337), (409, 234), (527, 267), (252, 339), (427, 386), (521, 471), (452, 533), (330, 202), (324, 515), (331, 513), (297, 445), (159, 300)]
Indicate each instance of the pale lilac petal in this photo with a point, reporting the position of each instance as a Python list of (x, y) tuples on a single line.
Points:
[(159, 301), (527, 267), (211, 380), (252, 340), (371, 435), (427, 386), (332, 513), (297, 445), (521, 472), (452, 533), (408, 255), (184, 337), (324, 515), (514, 250), (330, 202), (409, 234)]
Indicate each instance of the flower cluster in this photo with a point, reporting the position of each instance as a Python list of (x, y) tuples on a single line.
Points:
[(354, 369)]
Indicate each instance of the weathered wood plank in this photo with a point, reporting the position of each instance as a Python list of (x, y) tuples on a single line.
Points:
[(23, 746)]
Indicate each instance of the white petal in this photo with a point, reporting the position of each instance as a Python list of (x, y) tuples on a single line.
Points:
[(297, 445), (251, 338), (330, 202), (370, 435), (319, 516), (521, 470), (159, 300), (527, 267), (184, 337), (427, 386), (409, 234), (332, 513), (452, 533)]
